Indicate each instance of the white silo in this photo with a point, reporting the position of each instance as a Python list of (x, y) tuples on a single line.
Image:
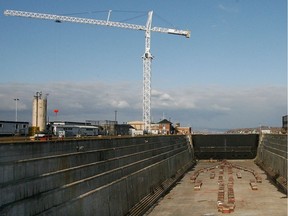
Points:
[(39, 112)]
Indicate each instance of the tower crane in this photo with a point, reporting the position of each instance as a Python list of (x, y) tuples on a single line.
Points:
[(147, 57)]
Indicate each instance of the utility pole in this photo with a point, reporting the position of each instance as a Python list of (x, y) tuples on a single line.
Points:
[(115, 116)]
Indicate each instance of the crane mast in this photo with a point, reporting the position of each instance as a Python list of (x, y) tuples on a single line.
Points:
[(147, 61), (147, 57)]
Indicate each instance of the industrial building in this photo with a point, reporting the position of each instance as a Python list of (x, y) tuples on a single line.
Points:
[(74, 130), (106, 127)]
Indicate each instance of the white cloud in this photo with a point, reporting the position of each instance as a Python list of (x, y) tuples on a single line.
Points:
[(213, 106), (120, 104), (162, 99)]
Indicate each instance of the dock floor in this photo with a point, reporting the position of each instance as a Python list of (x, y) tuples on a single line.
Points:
[(200, 196)]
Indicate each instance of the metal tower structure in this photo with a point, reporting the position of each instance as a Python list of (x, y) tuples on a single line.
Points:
[(147, 57)]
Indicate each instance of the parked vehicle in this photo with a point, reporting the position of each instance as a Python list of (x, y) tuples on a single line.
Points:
[(42, 136)]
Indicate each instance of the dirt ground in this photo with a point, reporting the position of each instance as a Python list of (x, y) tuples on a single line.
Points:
[(183, 199)]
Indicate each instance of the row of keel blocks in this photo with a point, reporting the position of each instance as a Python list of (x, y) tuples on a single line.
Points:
[(226, 205)]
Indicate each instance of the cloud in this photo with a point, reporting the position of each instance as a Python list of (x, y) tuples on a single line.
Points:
[(203, 106), (120, 104), (162, 99), (223, 107)]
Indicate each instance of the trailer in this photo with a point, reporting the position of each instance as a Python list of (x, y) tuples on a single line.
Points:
[(12, 128)]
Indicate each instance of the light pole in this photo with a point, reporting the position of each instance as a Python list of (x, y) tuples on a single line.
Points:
[(16, 107), (115, 130)]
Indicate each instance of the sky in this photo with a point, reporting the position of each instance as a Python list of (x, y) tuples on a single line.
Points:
[(231, 72)]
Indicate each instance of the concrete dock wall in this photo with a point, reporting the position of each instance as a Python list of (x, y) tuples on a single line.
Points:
[(86, 177), (105, 176), (225, 146), (272, 157)]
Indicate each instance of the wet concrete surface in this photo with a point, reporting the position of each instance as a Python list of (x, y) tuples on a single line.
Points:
[(183, 200)]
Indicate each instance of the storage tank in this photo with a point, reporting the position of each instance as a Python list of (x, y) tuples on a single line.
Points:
[(39, 112)]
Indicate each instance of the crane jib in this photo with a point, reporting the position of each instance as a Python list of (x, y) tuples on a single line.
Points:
[(59, 19)]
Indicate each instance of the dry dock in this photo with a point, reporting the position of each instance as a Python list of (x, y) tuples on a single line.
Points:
[(242, 189)]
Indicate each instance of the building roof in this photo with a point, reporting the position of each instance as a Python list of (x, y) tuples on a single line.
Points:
[(135, 122), (164, 121), (16, 122), (70, 123)]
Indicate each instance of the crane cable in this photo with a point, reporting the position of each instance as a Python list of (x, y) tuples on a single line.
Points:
[(142, 14)]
